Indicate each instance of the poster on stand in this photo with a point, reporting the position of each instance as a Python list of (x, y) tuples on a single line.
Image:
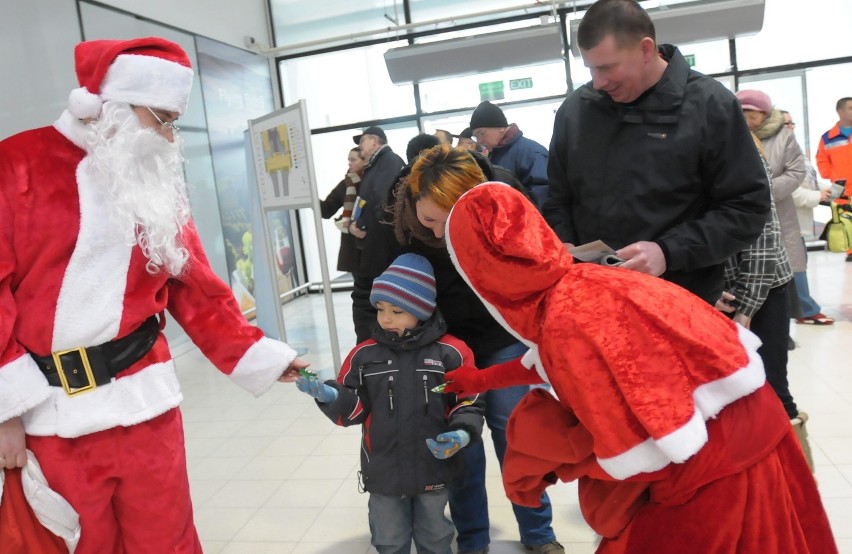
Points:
[(280, 158)]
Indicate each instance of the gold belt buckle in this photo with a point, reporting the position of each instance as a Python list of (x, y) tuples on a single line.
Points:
[(86, 367)]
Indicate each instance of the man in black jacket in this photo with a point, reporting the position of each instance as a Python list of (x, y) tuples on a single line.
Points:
[(653, 158), (380, 175)]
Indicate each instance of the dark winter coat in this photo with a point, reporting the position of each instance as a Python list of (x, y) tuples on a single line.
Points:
[(678, 167), (348, 257), (527, 159), (386, 384), (379, 178)]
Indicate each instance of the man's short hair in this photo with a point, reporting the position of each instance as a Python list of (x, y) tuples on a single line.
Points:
[(418, 144), (625, 20), (842, 103)]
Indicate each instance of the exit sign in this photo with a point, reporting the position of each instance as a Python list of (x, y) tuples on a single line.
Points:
[(491, 91), (690, 59), (519, 84)]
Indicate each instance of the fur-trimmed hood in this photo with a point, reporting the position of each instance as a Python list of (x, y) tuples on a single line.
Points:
[(771, 126)]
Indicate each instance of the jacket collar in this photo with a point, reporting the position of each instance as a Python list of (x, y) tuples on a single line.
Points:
[(427, 332), (376, 155), (835, 131), (667, 95), (512, 135)]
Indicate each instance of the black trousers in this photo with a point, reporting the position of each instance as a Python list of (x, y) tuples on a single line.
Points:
[(771, 324), (363, 313)]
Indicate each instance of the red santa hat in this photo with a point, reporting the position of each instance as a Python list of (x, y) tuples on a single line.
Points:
[(151, 72)]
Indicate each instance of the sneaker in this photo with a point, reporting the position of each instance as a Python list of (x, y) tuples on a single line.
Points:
[(849, 257), (818, 319), (552, 547), (480, 551)]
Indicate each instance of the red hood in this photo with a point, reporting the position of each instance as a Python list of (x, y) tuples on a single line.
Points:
[(507, 253)]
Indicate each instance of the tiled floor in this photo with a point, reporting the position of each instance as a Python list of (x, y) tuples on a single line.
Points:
[(273, 475)]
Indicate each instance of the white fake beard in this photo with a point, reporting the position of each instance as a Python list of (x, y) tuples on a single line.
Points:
[(144, 183)]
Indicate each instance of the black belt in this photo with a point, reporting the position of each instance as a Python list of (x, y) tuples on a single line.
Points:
[(82, 369)]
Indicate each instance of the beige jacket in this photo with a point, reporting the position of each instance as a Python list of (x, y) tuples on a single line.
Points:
[(788, 171)]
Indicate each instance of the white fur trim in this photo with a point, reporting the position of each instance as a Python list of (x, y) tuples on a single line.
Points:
[(532, 360), (710, 398), (72, 128), (22, 387), (89, 307), (83, 104), (642, 458), (679, 445), (51, 510), (123, 402), (262, 364), (148, 81)]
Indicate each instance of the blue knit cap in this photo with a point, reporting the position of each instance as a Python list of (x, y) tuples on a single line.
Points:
[(409, 283)]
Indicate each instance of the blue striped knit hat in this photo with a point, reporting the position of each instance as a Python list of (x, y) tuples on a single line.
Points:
[(409, 283)]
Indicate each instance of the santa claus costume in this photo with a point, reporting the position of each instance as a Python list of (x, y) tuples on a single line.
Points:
[(102, 417), (660, 405)]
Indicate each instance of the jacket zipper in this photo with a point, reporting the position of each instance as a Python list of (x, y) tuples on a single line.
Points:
[(390, 392), (425, 395), (364, 365)]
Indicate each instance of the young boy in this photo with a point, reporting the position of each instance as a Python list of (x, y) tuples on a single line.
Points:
[(410, 432)]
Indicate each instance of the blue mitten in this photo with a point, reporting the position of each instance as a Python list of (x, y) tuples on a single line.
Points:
[(319, 390), (447, 444)]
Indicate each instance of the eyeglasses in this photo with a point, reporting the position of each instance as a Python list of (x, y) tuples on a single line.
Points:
[(789, 124), (164, 125)]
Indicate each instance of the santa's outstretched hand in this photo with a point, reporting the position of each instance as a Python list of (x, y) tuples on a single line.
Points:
[(468, 380), (292, 372)]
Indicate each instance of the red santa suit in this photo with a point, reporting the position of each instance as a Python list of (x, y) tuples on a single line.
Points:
[(69, 279), (661, 406)]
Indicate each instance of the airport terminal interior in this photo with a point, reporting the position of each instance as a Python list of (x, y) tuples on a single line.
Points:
[(273, 474)]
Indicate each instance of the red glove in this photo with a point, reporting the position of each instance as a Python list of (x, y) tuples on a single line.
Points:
[(467, 380)]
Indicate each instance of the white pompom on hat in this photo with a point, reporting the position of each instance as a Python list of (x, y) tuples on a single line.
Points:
[(151, 72)]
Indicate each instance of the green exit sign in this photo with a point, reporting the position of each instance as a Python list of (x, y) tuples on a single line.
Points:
[(519, 84), (690, 59), (491, 91)]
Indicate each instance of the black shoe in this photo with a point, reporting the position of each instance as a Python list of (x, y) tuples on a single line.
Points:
[(791, 344), (552, 547)]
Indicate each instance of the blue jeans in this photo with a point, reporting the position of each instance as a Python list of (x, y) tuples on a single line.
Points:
[(468, 499), (396, 520), (809, 305)]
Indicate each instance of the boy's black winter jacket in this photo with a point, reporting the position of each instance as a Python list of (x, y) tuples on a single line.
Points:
[(386, 385)]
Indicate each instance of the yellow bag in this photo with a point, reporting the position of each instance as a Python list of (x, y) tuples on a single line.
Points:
[(838, 231)]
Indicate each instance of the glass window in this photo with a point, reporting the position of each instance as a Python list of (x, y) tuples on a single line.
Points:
[(520, 83), (427, 10), (345, 87), (794, 32), (825, 86), (299, 21), (534, 119), (708, 57), (329, 155), (785, 91)]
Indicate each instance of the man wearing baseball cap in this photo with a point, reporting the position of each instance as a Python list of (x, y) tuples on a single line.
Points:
[(374, 239)]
